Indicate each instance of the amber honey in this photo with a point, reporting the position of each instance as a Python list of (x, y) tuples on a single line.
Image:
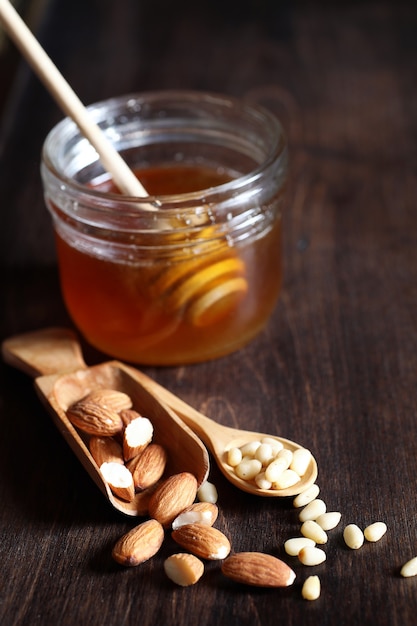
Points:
[(184, 310)]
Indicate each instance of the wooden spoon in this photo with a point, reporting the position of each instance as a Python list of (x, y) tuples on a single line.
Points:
[(220, 439), (55, 350), (55, 354)]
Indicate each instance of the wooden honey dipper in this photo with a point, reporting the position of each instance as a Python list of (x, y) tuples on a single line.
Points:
[(213, 286)]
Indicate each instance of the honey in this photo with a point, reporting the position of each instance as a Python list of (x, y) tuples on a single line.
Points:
[(190, 309)]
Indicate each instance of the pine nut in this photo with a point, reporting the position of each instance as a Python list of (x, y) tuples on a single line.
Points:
[(300, 461), (184, 569), (293, 546), (234, 457), (274, 443), (329, 520), (306, 496), (285, 454), (311, 588), (262, 482), (264, 453), (313, 510), (274, 470), (248, 469), (375, 531), (353, 536), (207, 492), (409, 568), (311, 556), (313, 531), (249, 449), (288, 478)]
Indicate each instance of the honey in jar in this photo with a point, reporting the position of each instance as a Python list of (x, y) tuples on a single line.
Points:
[(196, 273)]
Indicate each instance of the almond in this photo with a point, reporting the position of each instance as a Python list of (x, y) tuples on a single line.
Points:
[(139, 544), (148, 467), (105, 450), (184, 569), (94, 418), (128, 415), (110, 399), (198, 513), (172, 496), (119, 479), (258, 569), (136, 436), (203, 541)]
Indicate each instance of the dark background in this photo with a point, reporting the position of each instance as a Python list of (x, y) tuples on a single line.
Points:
[(335, 369)]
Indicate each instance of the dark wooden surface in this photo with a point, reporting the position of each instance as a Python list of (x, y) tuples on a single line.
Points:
[(335, 369)]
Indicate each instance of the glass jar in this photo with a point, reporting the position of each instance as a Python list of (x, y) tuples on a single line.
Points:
[(192, 271)]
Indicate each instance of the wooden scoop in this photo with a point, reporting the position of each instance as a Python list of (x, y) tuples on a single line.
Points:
[(57, 350), (54, 358)]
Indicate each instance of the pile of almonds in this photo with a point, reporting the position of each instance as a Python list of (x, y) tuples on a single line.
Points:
[(172, 507), (120, 442)]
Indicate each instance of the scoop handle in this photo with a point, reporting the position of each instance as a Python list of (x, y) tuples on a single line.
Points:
[(43, 352)]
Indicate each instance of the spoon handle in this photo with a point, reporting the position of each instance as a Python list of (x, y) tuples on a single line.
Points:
[(43, 352), (214, 435)]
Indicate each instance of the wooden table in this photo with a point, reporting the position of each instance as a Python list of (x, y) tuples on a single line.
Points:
[(336, 367)]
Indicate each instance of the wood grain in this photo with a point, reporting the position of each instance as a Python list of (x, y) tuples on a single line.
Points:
[(336, 366)]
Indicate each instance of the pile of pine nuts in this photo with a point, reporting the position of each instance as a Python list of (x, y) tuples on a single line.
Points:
[(315, 522), (268, 463)]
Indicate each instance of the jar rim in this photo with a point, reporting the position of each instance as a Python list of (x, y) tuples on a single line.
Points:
[(66, 128)]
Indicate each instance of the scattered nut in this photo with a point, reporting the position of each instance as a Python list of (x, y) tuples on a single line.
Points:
[(313, 510), (198, 513), (294, 545), (311, 588), (139, 544), (374, 532), (313, 531), (258, 569), (329, 520), (203, 541), (184, 569), (311, 555), (207, 492), (353, 536), (306, 496), (410, 568)]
